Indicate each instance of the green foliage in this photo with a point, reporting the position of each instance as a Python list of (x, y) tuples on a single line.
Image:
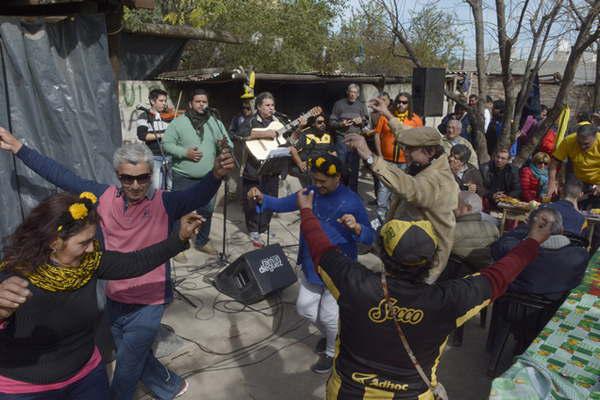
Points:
[(435, 37), (302, 35)]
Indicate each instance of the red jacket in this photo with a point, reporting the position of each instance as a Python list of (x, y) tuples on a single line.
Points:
[(548, 142), (530, 185)]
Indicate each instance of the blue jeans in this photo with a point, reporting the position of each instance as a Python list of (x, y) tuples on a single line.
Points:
[(134, 328), (351, 162), (93, 386), (383, 195), (181, 183), (158, 174)]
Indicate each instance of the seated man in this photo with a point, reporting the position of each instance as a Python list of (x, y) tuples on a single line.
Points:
[(559, 266), (570, 194), (345, 221), (311, 143), (473, 236), (452, 138), (371, 360), (500, 177)]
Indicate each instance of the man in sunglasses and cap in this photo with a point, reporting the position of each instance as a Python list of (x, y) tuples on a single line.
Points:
[(427, 190), (345, 221), (377, 309), (133, 215)]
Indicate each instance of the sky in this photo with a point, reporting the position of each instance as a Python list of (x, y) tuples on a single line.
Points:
[(464, 22)]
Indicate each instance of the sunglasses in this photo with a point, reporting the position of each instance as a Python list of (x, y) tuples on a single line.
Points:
[(401, 102), (320, 122), (543, 162), (129, 179)]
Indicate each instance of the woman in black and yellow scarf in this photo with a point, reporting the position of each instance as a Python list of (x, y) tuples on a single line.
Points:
[(48, 300)]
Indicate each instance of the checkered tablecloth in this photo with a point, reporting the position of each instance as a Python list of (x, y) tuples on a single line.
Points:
[(563, 362)]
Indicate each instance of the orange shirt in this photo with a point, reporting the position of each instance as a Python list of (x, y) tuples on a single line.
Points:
[(389, 148)]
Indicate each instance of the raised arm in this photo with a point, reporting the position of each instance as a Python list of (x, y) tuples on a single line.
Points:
[(47, 168), (503, 272)]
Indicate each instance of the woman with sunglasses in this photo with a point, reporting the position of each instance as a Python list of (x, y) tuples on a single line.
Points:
[(386, 145), (534, 178), (48, 303)]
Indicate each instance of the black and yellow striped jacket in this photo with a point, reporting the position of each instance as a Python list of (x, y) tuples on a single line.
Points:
[(370, 361)]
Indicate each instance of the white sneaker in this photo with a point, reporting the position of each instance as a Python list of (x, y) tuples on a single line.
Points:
[(256, 239), (184, 388)]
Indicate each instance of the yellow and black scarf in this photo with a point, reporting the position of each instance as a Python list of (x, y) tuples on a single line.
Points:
[(64, 279), (401, 115)]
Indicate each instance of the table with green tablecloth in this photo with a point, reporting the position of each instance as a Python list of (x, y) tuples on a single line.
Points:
[(563, 362)]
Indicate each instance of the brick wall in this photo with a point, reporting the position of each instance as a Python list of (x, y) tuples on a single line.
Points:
[(579, 98)]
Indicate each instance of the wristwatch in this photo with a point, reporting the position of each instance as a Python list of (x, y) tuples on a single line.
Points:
[(370, 160)]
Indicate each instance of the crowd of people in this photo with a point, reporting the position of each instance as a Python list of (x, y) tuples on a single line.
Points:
[(443, 256)]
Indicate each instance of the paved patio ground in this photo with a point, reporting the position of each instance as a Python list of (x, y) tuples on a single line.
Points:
[(230, 351)]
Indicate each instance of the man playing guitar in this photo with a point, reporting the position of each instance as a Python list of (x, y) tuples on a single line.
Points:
[(253, 128)]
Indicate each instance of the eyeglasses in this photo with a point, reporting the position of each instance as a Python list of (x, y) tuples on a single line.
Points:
[(402, 102), (129, 179)]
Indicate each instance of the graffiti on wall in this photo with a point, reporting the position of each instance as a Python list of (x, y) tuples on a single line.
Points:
[(133, 94)]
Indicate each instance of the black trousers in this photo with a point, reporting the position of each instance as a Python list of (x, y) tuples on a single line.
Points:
[(267, 185)]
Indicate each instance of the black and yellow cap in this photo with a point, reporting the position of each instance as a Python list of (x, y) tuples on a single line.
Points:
[(327, 164), (409, 243)]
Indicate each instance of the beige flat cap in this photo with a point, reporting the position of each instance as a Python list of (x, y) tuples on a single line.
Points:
[(425, 136)]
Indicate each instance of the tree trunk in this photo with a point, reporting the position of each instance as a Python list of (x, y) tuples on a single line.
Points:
[(597, 82), (584, 39), (482, 82)]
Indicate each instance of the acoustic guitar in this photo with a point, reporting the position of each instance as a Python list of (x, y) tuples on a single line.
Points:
[(260, 148)]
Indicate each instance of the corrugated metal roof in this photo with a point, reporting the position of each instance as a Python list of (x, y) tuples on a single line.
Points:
[(217, 75)]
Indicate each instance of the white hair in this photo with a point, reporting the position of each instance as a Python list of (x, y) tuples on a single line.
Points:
[(133, 153), (455, 122), (472, 200), (353, 86)]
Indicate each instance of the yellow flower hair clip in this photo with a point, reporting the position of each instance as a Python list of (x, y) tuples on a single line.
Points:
[(78, 211), (319, 162), (332, 170), (90, 196)]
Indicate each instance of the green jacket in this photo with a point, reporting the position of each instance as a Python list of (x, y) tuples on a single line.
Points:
[(181, 135)]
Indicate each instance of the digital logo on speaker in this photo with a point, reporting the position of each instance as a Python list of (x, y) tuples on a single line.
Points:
[(270, 264)]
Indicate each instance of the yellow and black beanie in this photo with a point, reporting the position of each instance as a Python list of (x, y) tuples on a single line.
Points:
[(408, 244), (327, 164)]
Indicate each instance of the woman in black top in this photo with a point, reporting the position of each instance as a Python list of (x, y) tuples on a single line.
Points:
[(48, 302), (467, 176)]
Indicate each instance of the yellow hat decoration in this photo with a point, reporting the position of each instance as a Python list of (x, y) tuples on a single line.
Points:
[(78, 211), (90, 196)]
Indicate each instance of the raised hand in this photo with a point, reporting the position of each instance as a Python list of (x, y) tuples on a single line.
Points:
[(254, 194), (305, 198), (13, 293), (349, 221), (190, 225), (8, 142), (224, 163), (540, 228), (358, 143)]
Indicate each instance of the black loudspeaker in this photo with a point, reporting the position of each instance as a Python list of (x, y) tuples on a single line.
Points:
[(256, 274), (428, 91)]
